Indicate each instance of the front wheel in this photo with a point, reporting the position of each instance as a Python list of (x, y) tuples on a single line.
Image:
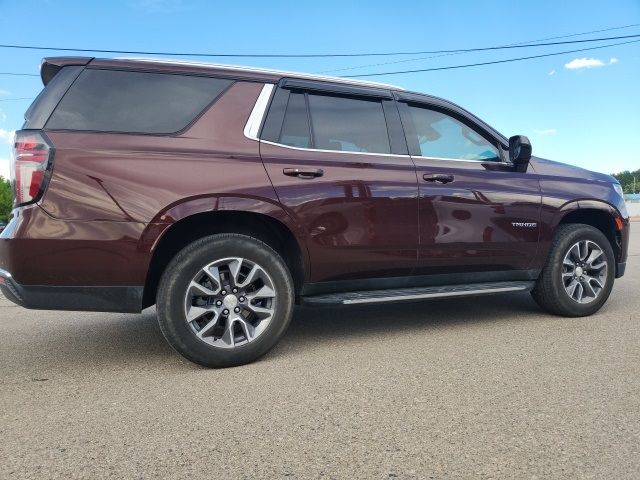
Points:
[(579, 274), (225, 300)]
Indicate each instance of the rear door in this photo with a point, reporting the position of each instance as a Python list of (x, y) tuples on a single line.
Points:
[(339, 163), (478, 214)]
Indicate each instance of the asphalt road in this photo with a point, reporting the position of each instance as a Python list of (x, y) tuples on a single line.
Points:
[(488, 388)]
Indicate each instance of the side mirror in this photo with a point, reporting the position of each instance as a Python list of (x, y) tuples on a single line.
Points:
[(520, 151)]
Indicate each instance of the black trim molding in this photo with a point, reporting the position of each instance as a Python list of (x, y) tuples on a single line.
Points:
[(336, 88), (90, 299)]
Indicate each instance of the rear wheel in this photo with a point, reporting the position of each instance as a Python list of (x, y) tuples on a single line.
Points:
[(579, 274), (225, 300)]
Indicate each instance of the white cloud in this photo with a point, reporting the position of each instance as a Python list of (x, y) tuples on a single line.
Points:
[(6, 135), (546, 131), (4, 92), (552, 72), (578, 63), (3, 116), (4, 167)]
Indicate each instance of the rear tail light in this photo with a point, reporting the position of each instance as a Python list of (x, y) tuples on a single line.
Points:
[(31, 165)]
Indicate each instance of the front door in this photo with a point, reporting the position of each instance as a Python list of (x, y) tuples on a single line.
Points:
[(335, 166), (478, 214)]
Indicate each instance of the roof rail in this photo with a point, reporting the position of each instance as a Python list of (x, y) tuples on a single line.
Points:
[(283, 73)]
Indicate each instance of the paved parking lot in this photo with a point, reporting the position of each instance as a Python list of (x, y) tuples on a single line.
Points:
[(486, 387)]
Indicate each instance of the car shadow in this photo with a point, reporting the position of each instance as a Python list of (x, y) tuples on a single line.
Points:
[(121, 340), (312, 327)]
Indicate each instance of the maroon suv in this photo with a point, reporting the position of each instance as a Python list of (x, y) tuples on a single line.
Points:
[(225, 195)]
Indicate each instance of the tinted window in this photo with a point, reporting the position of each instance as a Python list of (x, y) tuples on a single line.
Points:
[(442, 136), (116, 101), (295, 128), (348, 124), (40, 110)]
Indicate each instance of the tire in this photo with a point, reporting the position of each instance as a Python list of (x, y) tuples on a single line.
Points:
[(194, 285), (559, 287)]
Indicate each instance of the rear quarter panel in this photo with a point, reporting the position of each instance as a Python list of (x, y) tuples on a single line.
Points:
[(135, 178)]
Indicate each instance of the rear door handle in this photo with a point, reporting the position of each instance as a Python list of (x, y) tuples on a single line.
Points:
[(305, 173), (438, 177)]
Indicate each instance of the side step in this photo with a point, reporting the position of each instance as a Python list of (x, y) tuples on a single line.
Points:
[(418, 293)]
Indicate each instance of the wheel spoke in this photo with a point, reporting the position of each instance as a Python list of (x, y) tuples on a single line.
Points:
[(196, 312), (595, 254), (588, 289), (583, 250), (595, 280), (571, 288), (579, 291), (252, 276), (574, 254), (247, 328), (260, 310), (234, 267), (264, 292), (201, 289), (214, 275), (227, 336), (209, 325)]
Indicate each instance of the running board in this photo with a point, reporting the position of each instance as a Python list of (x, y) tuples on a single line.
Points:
[(419, 293)]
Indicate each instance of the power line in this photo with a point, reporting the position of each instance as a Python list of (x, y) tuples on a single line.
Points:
[(406, 60), (12, 99), (487, 63), (449, 52), (311, 55)]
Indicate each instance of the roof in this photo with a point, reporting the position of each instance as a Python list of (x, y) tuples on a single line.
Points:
[(264, 74)]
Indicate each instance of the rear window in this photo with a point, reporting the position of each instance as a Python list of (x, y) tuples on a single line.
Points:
[(40, 110), (134, 102)]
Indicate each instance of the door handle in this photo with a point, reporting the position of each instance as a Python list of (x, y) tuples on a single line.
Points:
[(438, 177), (305, 173)]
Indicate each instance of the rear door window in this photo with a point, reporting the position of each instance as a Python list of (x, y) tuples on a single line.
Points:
[(348, 124), (134, 102), (295, 129), (337, 123)]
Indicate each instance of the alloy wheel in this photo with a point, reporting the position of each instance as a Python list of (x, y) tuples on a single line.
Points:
[(230, 302), (584, 271)]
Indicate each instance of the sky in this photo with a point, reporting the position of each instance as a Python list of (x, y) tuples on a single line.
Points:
[(580, 108)]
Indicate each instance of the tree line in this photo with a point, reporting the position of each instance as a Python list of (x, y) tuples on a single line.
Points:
[(630, 181)]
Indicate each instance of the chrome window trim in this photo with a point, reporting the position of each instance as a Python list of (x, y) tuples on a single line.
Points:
[(457, 159), (334, 151), (252, 127), (259, 111)]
